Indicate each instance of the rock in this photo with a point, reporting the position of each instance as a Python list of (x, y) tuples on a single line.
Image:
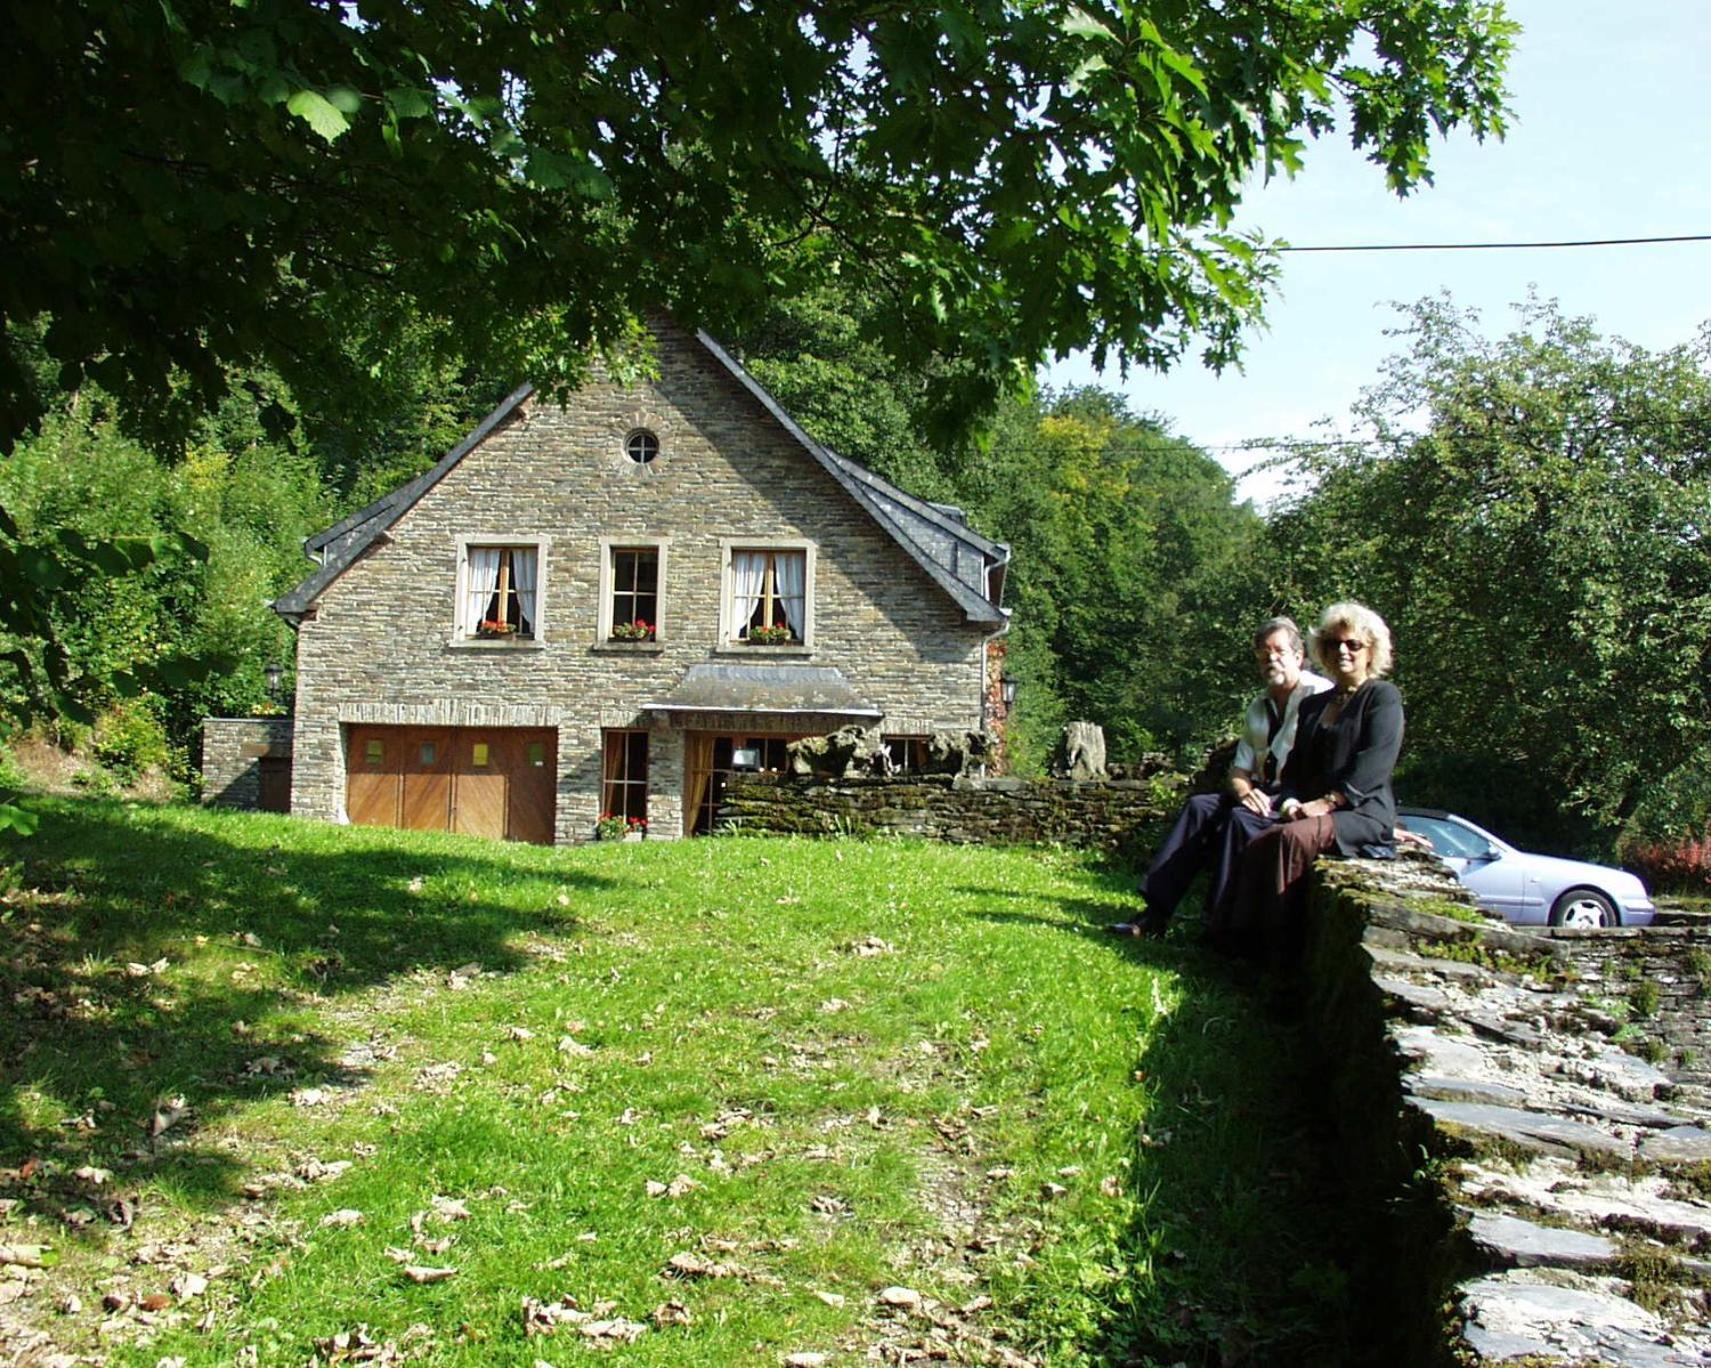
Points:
[(1531, 1130), (1678, 1145), (1443, 1089), (1523, 1244), (1083, 752), (1508, 1317)]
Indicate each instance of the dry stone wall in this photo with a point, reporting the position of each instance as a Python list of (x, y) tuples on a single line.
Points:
[(1524, 1120), (1109, 815)]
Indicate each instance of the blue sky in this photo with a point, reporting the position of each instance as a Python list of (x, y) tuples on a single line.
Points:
[(1612, 121)]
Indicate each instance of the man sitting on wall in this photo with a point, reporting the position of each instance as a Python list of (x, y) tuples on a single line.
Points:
[(1214, 828)]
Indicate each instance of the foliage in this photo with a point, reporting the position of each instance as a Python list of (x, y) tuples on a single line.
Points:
[(1133, 575), (179, 627), (202, 187), (1529, 515), (908, 1034)]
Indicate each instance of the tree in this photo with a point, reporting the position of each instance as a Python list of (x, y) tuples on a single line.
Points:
[(1133, 575), (196, 187), (1530, 516)]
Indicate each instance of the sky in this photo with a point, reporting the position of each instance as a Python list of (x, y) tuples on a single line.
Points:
[(1608, 138)]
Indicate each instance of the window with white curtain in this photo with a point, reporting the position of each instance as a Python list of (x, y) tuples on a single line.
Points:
[(500, 595), (769, 596)]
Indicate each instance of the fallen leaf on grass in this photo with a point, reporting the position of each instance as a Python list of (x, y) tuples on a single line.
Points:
[(438, 1078), (461, 977), (573, 1047), (616, 1331), (670, 1313), (1052, 1191), (688, 1265), (449, 1209), (831, 1298), (315, 1171), (188, 1285), (871, 946), (833, 1005), (807, 1358), (519, 1033), (1110, 1186), (342, 1219), (168, 1116), (310, 1097), (28, 1255), (417, 1273), (906, 1297)]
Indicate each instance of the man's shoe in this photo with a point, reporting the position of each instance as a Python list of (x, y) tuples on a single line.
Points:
[(1144, 929)]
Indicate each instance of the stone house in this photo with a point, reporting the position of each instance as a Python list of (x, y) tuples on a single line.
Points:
[(609, 607)]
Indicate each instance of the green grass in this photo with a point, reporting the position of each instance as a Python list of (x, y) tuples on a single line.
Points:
[(879, 1064)]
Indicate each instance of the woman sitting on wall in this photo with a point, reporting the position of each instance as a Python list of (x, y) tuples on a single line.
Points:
[(1335, 794)]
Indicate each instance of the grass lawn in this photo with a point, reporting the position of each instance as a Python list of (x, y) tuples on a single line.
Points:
[(267, 1083)]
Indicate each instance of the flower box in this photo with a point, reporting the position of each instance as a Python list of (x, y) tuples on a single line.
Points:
[(769, 636)]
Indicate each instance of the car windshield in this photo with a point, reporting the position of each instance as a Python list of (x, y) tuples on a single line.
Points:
[(1447, 838)]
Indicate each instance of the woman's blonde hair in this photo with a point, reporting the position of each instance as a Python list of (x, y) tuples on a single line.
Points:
[(1357, 618)]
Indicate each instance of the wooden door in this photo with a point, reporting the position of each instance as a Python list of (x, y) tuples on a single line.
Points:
[(372, 765), (426, 779), (534, 787), (275, 783), (479, 757)]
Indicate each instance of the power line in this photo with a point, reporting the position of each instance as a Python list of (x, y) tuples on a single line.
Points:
[(1495, 246)]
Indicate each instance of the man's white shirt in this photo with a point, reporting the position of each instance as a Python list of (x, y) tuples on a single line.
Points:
[(1256, 727)]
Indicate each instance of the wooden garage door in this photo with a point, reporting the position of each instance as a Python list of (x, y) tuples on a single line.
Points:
[(484, 781)]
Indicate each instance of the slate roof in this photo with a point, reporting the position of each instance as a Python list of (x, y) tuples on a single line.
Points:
[(967, 566), (764, 688)]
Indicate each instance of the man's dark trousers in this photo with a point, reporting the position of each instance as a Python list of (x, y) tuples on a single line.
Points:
[(1212, 830)]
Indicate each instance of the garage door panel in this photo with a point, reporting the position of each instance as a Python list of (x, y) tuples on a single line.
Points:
[(478, 807), (427, 796), (371, 790), (534, 773)]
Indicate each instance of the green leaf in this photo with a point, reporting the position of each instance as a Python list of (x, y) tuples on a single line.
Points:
[(406, 102), (24, 822), (314, 109), (344, 99), (1081, 22)]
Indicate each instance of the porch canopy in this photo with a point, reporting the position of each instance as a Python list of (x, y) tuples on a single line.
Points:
[(768, 689)]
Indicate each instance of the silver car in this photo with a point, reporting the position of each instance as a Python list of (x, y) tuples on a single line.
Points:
[(1529, 889)]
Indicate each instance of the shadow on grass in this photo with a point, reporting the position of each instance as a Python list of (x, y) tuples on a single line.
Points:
[(94, 1039), (1241, 1251)]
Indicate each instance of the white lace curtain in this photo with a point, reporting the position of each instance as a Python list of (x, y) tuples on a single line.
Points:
[(523, 576), (748, 578), (483, 584), (791, 574)]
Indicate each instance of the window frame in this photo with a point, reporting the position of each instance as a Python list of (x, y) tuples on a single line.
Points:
[(729, 641), (609, 547), (464, 631), (625, 783)]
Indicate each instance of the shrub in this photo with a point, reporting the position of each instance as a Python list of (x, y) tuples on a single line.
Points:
[(129, 740)]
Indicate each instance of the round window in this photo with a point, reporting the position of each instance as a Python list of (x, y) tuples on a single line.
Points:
[(641, 446)]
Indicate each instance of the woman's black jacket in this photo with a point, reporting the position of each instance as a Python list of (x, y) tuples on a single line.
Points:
[(1354, 756)]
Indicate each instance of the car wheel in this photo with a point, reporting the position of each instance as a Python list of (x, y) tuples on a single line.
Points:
[(1583, 907)]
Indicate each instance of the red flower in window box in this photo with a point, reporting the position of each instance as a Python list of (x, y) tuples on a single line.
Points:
[(779, 635), (639, 630), (494, 627)]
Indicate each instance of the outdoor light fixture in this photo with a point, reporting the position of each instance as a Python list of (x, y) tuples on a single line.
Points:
[(275, 674), (745, 758), (1007, 691)]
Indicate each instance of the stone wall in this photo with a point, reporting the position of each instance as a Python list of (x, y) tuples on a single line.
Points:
[(232, 749), (1107, 815), (383, 644), (1521, 1117)]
